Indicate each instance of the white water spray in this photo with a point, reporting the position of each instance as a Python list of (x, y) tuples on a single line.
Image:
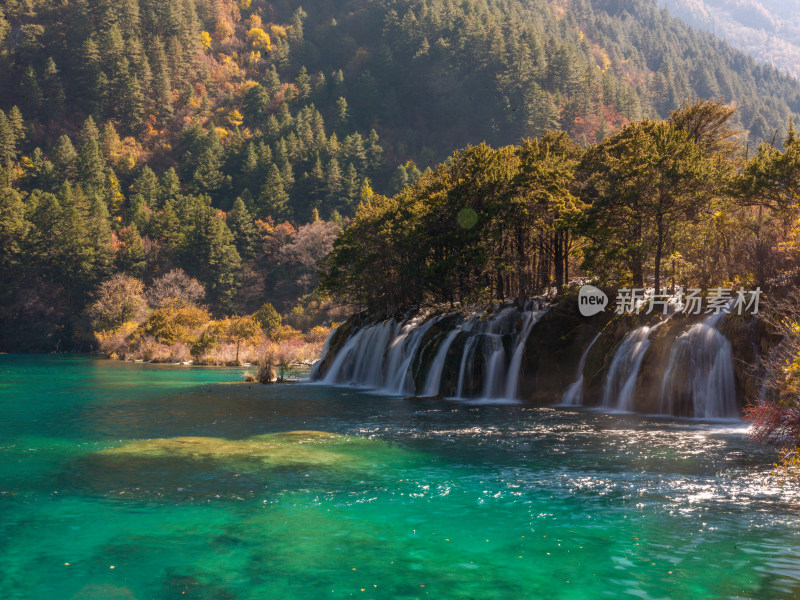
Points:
[(699, 379), (574, 394)]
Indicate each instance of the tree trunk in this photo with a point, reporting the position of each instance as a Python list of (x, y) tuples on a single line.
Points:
[(558, 261), (659, 249)]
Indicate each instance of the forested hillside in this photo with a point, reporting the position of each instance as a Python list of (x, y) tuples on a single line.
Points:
[(234, 139), (768, 30)]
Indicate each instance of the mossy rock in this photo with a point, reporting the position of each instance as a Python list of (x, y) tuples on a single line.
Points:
[(554, 349), (292, 449)]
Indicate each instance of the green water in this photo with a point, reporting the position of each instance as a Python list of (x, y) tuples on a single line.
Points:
[(415, 498)]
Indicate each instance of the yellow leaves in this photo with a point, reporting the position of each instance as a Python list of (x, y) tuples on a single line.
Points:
[(285, 332), (205, 40), (224, 29), (177, 321), (244, 4), (109, 336), (253, 58), (234, 118), (278, 31), (259, 39), (366, 192)]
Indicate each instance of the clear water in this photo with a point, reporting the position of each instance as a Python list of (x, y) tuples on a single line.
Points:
[(428, 499)]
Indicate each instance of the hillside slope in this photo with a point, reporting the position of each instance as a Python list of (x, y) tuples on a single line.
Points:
[(769, 30)]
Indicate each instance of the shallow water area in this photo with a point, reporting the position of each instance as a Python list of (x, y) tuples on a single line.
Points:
[(121, 481)]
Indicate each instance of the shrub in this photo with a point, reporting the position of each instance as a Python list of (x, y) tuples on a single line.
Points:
[(318, 334), (775, 423), (116, 341), (175, 285), (268, 318), (176, 321), (119, 300), (283, 333), (237, 330)]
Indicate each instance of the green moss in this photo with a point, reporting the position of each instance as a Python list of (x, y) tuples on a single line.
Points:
[(273, 450)]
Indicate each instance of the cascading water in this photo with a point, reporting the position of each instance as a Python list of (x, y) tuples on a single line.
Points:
[(494, 357), (434, 379), (624, 370), (401, 380), (386, 355), (512, 378), (574, 394), (699, 379)]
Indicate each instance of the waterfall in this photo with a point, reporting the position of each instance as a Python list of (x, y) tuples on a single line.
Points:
[(699, 378), (512, 379), (466, 363), (434, 379), (386, 355), (340, 361), (494, 360), (574, 394), (624, 370), (400, 380)]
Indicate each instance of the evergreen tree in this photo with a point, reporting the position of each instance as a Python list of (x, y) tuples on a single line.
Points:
[(13, 231), (64, 158), (146, 186), (244, 232), (90, 166), (130, 255), (273, 201)]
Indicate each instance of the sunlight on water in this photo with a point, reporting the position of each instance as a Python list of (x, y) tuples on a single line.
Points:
[(122, 481)]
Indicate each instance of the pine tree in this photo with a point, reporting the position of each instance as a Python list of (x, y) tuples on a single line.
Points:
[(53, 89), (166, 226), (352, 185), (8, 141), (112, 192), (13, 231), (169, 186), (162, 81), (17, 124), (100, 238), (209, 249), (130, 255), (374, 152), (32, 90), (88, 131), (342, 114), (334, 186), (244, 231), (273, 201), (146, 186), (110, 143), (398, 181), (64, 157), (91, 166), (271, 81)]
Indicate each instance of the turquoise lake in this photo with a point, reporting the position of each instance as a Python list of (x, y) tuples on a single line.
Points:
[(398, 498)]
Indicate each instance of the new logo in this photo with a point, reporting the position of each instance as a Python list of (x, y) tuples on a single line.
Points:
[(591, 300)]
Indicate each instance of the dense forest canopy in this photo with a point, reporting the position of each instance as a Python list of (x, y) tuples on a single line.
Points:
[(673, 203), (235, 139)]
